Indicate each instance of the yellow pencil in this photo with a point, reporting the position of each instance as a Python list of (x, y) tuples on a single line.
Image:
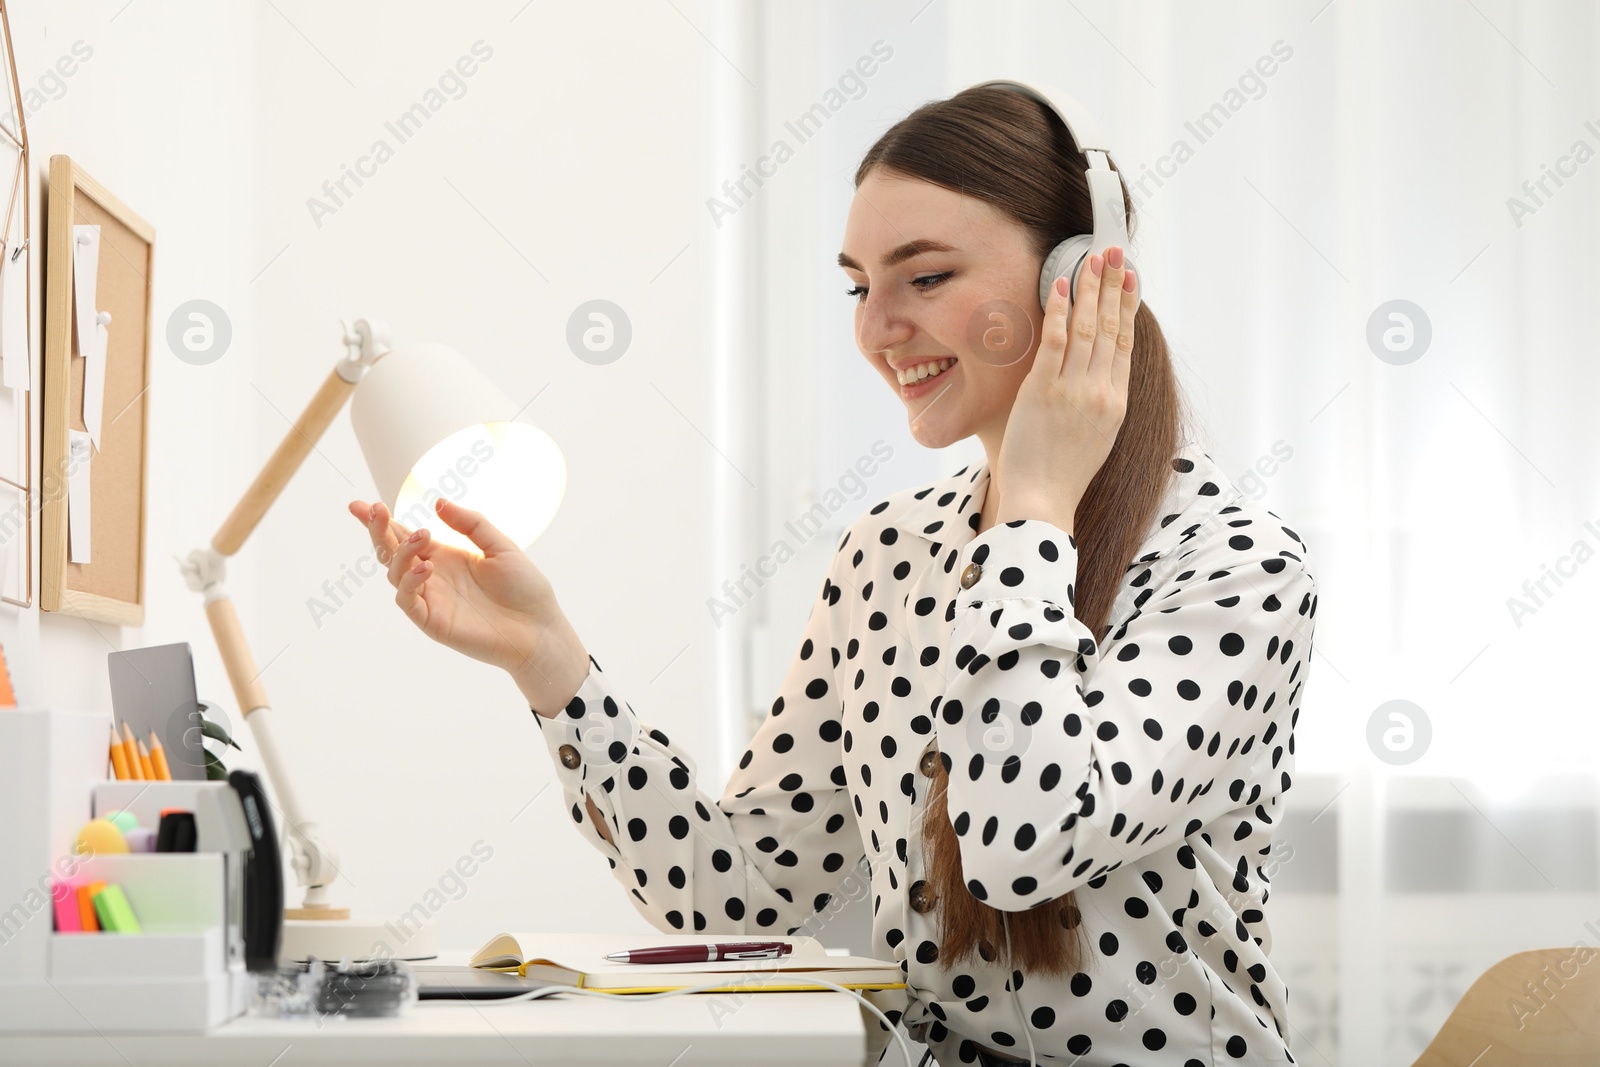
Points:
[(130, 751), (144, 763), (158, 759), (119, 760)]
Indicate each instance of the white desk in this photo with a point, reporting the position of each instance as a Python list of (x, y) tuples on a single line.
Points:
[(821, 1029)]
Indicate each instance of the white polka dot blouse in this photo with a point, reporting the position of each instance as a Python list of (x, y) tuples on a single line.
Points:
[(1145, 773)]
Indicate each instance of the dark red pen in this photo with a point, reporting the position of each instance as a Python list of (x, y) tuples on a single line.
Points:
[(734, 950)]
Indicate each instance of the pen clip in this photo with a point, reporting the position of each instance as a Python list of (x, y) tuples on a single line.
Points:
[(754, 954)]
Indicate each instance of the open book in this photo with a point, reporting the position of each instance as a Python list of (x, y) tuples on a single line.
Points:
[(580, 960)]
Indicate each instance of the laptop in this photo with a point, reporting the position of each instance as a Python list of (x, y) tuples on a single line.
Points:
[(443, 982)]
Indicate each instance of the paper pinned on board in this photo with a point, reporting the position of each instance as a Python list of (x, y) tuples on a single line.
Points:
[(88, 323), (79, 454), (85, 275), (16, 352)]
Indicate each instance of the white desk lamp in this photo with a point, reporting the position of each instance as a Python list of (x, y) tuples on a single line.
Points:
[(430, 424)]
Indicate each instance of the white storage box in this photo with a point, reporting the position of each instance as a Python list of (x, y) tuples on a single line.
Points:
[(175, 975)]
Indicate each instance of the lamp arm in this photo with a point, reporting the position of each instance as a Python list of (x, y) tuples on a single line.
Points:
[(365, 345), (314, 861)]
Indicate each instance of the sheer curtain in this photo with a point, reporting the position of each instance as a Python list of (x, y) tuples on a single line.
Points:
[(1368, 231)]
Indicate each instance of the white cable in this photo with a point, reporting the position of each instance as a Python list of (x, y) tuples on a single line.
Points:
[(545, 991), (1016, 998)]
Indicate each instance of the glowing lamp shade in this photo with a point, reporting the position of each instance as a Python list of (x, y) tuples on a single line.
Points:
[(431, 425)]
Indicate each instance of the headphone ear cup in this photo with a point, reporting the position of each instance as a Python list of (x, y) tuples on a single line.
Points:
[(1065, 259)]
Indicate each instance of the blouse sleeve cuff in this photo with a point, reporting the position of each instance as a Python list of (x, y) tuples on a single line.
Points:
[(591, 736), (1024, 558)]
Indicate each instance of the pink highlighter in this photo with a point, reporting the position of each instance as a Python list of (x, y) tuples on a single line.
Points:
[(65, 895)]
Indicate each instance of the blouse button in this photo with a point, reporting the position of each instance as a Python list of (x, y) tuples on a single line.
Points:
[(569, 757), (929, 763), (922, 898), (970, 576)]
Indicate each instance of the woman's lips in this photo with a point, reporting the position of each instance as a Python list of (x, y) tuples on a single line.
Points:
[(927, 385)]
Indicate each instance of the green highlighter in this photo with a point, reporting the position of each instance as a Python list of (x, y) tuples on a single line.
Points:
[(113, 911)]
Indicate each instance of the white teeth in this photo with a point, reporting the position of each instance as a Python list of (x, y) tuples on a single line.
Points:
[(923, 371)]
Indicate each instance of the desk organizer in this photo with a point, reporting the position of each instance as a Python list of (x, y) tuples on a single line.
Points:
[(183, 972)]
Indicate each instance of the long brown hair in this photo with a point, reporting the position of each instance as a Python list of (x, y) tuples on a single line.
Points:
[(1011, 152)]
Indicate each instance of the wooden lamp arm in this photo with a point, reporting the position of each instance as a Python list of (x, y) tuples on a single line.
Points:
[(291, 452), (314, 861), (366, 344)]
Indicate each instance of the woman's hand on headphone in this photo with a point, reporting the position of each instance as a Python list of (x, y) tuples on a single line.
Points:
[(1071, 404), (495, 606)]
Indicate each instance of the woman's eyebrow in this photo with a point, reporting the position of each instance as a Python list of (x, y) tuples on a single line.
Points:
[(906, 251)]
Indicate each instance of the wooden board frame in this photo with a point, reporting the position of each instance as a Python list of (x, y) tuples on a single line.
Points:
[(111, 588)]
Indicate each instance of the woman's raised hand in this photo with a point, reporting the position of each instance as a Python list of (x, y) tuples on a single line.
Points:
[(496, 607), (1070, 406)]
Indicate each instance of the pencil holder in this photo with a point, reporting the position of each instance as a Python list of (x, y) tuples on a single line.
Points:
[(183, 972)]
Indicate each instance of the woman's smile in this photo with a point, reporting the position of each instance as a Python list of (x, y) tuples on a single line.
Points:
[(923, 377)]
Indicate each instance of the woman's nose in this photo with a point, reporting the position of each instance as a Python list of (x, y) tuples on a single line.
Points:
[(881, 326)]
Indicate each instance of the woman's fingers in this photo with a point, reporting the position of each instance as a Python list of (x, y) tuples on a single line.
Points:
[(1053, 332), (1123, 360), (380, 515), (393, 533), (376, 519), (479, 530), (1107, 314), (408, 591), (404, 553), (1085, 325), (407, 554), (367, 514)]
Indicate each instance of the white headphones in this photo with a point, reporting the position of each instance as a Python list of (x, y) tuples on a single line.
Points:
[(1105, 191)]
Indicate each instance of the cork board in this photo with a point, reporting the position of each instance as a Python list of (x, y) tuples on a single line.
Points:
[(110, 588)]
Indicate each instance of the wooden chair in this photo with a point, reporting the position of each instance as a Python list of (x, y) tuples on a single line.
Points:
[(1533, 1009)]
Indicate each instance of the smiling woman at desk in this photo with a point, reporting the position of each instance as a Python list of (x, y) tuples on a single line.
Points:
[(1056, 691)]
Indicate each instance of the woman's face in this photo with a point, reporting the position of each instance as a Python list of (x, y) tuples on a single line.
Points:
[(942, 280)]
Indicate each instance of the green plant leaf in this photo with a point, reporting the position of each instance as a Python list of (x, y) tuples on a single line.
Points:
[(217, 733), (215, 771)]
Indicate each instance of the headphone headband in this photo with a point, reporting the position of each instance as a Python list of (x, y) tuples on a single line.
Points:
[(1086, 133), (1106, 201)]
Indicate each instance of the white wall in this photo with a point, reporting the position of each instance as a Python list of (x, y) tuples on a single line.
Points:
[(574, 165), (186, 160)]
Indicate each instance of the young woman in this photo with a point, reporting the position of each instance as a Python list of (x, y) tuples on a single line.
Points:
[(1049, 701)]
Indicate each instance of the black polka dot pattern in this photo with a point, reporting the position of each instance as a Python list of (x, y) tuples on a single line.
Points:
[(1145, 772)]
